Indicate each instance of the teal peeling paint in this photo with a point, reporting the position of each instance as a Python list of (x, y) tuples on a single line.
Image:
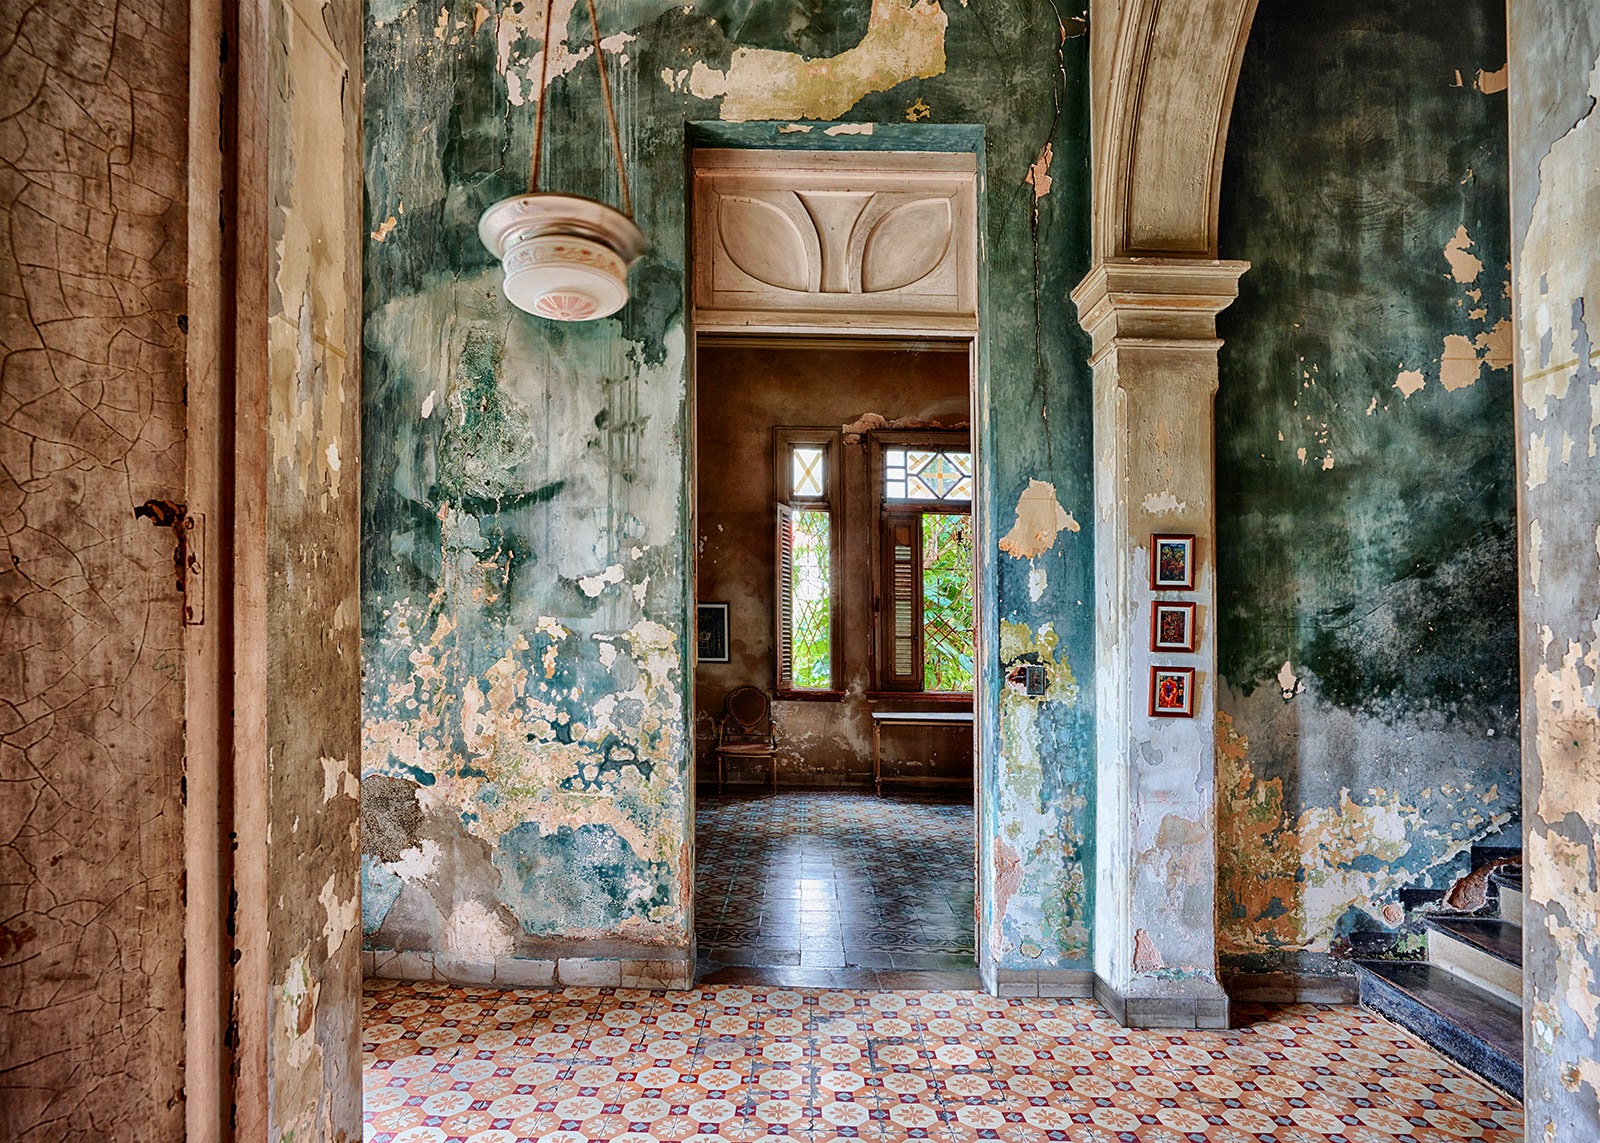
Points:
[(1381, 564), (491, 524)]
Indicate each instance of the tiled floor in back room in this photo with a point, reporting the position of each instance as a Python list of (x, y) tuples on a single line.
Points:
[(835, 880), (742, 1064)]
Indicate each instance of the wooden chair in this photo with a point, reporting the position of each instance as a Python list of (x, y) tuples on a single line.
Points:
[(747, 731)]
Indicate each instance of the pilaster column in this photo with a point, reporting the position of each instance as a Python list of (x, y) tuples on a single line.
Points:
[(1153, 325)]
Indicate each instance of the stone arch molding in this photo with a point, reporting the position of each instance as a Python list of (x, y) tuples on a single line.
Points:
[(1164, 73)]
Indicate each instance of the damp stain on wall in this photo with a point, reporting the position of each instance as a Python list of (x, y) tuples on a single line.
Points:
[(527, 549), (1367, 719)]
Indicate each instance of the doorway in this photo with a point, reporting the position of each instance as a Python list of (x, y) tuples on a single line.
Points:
[(836, 602)]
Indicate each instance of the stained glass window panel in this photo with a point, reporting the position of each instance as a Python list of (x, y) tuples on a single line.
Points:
[(808, 471), (927, 474)]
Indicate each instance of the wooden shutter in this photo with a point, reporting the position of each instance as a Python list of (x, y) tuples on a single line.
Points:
[(902, 595), (785, 597)]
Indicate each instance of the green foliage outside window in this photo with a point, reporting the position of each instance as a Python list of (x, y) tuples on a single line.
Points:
[(947, 602), (811, 594)]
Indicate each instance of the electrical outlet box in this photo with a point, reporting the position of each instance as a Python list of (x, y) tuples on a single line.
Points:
[(1034, 680)]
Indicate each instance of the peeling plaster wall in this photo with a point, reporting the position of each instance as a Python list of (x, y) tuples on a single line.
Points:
[(527, 549), (312, 486), (1555, 203), (1367, 720), (93, 218), (742, 394)]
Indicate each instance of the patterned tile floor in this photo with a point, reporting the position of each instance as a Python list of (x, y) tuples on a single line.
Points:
[(446, 1064), (831, 880)]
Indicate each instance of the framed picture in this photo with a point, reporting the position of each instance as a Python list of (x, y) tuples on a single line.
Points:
[(1172, 563), (1171, 692), (711, 629), (1172, 626)]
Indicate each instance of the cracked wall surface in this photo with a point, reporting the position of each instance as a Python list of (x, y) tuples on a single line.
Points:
[(312, 651), (527, 550), (1367, 719), (1555, 205), (93, 217)]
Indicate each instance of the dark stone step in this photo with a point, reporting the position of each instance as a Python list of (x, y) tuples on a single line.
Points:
[(1499, 939), (1483, 854), (1509, 877), (1476, 1029)]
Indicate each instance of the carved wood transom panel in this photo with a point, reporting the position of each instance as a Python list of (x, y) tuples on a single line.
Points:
[(809, 240)]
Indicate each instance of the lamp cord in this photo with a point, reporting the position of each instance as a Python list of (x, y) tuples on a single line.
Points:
[(605, 95), (538, 115), (611, 111)]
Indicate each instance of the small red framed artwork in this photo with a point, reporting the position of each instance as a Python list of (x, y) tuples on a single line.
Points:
[(1172, 627), (1171, 692), (1172, 563)]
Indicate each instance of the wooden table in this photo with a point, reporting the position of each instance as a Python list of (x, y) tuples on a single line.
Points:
[(911, 718)]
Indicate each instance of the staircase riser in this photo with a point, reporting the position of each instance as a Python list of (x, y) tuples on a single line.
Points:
[(1487, 972), (1511, 904), (1498, 1069)]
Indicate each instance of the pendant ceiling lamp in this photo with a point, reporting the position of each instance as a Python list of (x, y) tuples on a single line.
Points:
[(566, 257)]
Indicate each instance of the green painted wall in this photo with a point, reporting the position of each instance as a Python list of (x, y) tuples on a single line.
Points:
[(527, 561), (1367, 572)]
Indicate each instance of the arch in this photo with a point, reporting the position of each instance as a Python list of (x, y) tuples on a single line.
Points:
[(1164, 74)]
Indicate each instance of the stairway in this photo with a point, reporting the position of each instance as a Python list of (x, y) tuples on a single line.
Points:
[(1466, 998)]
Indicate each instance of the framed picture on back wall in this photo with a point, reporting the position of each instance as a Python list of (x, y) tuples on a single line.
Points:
[(711, 631)]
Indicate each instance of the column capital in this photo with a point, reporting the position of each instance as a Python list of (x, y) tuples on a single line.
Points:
[(1157, 303)]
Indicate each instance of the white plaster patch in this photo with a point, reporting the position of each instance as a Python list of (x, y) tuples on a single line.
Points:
[(593, 585), (1038, 176), (337, 773), (1464, 267), (475, 932), (904, 40), (297, 1005), (427, 404), (1038, 580), (1040, 519), (1289, 684), (849, 129), (1162, 503), (342, 916), (418, 862), (1459, 364), (1409, 382), (795, 129)]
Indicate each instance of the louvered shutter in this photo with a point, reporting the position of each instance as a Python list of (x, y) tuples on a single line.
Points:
[(785, 597), (902, 592)]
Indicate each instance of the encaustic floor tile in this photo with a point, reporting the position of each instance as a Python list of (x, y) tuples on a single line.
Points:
[(773, 1065)]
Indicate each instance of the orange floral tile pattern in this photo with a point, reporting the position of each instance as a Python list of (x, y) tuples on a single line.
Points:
[(752, 1064)]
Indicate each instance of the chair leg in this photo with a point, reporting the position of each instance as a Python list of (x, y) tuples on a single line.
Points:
[(774, 773)]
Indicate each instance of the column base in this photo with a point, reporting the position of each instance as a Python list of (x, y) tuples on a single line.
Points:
[(1194, 1003)]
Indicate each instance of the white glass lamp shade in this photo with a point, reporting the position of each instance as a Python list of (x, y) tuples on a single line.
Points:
[(566, 258)]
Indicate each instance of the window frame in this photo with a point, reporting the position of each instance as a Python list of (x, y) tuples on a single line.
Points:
[(884, 513), (784, 439)]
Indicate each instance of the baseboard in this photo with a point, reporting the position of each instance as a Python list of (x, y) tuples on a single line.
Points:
[(1289, 988), (1064, 983), (674, 972), (1178, 1004)]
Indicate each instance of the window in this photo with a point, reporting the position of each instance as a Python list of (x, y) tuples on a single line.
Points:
[(910, 579), (806, 542), (926, 610)]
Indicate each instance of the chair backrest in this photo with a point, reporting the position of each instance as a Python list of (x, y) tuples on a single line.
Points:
[(747, 707)]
